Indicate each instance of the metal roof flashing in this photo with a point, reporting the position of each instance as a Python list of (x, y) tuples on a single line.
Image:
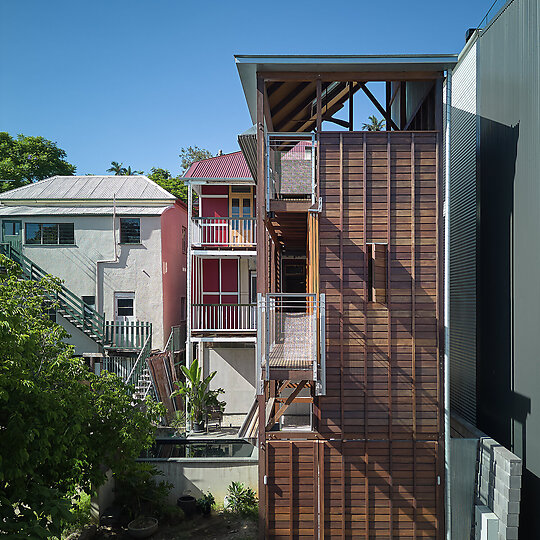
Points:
[(249, 65)]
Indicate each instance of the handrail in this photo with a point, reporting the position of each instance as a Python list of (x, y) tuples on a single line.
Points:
[(86, 315), (231, 305), (224, 231), (225, 218), (143, 355)]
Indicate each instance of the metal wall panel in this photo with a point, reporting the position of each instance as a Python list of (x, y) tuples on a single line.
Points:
[(463, 231), (508, 286)]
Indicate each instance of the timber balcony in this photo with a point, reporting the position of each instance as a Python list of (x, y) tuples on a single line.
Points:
[(292, 337), (217, 318), (223, 232)]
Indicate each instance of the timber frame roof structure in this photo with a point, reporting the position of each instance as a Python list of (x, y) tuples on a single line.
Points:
[(292, 82)]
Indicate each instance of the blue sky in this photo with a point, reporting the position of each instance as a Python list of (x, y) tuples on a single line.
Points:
[(135, 80)]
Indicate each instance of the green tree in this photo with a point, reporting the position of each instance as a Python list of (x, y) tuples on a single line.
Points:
[(191, 154), (374, 124), (116, 168), (119, 170), (26, 159), (173, 184), (59, 423)]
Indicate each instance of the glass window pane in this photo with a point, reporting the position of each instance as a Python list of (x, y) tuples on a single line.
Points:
[(50, 233), (33, 233), (66, 233), (130, 231), (246, 208), (235, 208), (125, 306), (16, 227)]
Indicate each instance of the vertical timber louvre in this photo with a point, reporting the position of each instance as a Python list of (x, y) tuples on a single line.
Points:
[(372, 470)]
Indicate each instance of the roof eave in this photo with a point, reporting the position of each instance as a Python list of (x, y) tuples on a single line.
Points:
[(249, 65)]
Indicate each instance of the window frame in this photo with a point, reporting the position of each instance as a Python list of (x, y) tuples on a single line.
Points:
[(40, 229), (124, 219)]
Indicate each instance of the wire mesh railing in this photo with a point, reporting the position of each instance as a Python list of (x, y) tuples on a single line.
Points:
[(290, 166), (291, 336)]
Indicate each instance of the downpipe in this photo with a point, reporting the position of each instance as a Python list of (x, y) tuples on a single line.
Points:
[(447, 490), (103, 261)]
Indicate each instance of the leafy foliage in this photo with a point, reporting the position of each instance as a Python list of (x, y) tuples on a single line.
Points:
[(206, 502), (119, 170), (241, 499), (374, 124), (173, 184), (29, 159), (139, 492), (60, 425), (197, 392), (191, 154)]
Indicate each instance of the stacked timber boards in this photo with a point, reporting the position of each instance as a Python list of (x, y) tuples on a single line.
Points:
[(373, 470)]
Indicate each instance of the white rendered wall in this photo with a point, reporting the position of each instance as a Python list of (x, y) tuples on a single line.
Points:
[(138, 268), (235, 374)]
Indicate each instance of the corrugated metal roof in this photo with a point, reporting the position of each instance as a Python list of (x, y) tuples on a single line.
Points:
[(90, 187), (80, 210), (226, 166)]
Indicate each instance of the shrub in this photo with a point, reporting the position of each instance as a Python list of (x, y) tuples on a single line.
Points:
[(206, 502), (241, 499), (139, 492)]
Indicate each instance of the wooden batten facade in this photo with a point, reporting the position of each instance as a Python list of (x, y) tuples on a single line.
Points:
[(372, 464)]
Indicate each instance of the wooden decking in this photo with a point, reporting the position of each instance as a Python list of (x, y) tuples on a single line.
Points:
[(293, 345)]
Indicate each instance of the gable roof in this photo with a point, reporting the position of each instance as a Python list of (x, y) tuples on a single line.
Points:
[(90, 187), (226, 166)]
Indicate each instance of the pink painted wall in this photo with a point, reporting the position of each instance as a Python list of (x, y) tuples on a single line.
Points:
[(173, 267), (215, 207)]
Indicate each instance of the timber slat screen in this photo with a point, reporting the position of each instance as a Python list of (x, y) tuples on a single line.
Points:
[(373, 472)]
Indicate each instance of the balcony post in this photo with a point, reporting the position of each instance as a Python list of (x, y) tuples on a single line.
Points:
[(189, 271)]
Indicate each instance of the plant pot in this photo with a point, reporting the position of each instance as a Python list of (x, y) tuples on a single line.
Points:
[(198, 427), (142, 527), (188, 504)]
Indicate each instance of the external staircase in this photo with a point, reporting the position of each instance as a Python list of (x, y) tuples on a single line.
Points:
[(109, 335)]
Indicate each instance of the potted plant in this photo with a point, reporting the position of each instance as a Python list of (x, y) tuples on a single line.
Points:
[(205, 503), (179, 424), (200, 399), (142, 497)]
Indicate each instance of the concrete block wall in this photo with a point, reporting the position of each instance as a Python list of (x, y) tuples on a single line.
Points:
[(498, 485)]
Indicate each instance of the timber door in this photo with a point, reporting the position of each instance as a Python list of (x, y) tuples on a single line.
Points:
[(241, 206), (12, 233), (292, 490)]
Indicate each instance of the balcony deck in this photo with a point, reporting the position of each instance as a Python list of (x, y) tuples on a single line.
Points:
[(220, 318), (223, 232)]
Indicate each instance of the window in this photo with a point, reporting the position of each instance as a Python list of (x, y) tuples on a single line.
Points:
[(12, 228), (49, 234), (124, 307), (130, 231), (184, 240)]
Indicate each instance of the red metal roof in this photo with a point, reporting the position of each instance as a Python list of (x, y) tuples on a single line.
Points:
[(226, 166)]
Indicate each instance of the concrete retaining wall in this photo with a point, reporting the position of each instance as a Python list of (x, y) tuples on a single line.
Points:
[(193, 476)]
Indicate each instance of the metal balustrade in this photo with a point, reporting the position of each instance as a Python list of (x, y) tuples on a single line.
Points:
[(223, 317), (292, 335), (290, 166), (223, 232)]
